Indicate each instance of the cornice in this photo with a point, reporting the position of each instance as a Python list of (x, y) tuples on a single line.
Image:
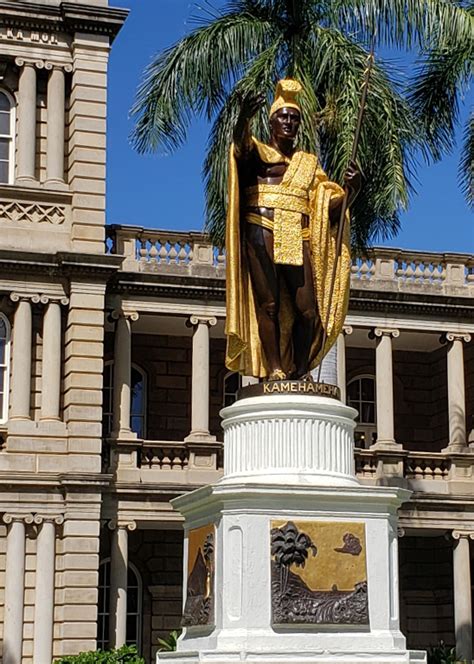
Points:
[(61, 264), (67, 17), (168, 285), (206, 288)]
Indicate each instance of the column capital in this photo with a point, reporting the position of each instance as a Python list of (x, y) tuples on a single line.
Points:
[(122, 524), (34, 298), (10, 517), (347, 330), (400, 532), (197, 319), (462, 534), (449, 337), (54, 299), (66, 67), (57, 520), (128, 315), (30, 62), (379, 332)]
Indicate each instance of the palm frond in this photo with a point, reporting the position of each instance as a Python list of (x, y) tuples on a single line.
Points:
[(435, 92), (466, 166), (402, 22), (388, 138), (193, 76)]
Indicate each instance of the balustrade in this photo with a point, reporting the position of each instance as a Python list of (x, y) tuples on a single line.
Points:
[(161, 250)]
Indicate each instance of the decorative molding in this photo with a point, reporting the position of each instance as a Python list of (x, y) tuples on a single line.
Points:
[(32, 213)]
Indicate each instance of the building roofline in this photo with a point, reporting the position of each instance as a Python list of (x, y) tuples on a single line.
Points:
[(67, 17)]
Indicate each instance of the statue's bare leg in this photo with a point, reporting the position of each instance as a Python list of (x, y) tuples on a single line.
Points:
[(299, 281), (259, 244)]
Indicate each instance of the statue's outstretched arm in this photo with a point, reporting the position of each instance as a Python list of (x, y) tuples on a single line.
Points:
[(242, 136)]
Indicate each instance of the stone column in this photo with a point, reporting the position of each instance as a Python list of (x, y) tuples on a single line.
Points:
[(122, 374), (21, 357), (14, 587), (44, 588), (456, 392), (384, 388), (56, 127), (200, 378), (26, 159), (51, 365), (118, 583), (462, 595), (341, 361)]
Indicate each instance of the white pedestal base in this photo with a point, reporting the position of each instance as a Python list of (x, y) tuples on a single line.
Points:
[(244, 506)]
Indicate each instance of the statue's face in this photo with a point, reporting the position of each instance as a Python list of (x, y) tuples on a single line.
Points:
[(285, 123)]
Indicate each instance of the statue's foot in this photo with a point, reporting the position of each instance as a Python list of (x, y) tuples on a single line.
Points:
[(277, 374), (307, 377)]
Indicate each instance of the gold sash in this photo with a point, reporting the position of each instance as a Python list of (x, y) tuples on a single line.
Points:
[(290, 201)]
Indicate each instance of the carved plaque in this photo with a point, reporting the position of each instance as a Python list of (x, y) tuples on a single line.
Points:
[(319, 573), (199, 606)]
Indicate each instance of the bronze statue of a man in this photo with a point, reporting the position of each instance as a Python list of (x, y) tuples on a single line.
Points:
[(282, 222)]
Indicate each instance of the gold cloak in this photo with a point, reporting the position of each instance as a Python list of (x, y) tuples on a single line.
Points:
[(244, 350)]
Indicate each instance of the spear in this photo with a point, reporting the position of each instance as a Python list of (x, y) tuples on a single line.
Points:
[(345, 202)]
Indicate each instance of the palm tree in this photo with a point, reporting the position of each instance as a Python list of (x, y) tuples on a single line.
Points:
[(251, 44), (289, 547), (437, 92)]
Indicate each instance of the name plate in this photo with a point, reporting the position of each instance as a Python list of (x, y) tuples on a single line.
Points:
[(290, 387)]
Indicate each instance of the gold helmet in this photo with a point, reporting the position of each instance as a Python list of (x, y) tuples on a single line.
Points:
[(285, 95)]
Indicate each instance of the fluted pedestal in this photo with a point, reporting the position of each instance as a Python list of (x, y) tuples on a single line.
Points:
[(289, 487)]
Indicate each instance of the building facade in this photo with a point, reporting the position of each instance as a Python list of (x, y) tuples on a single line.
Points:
[(112, 376)]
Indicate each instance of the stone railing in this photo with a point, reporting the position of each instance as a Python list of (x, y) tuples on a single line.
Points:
[(147, 250), (183, 464)]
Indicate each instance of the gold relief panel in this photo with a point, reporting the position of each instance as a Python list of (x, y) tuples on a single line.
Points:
[(319, 573), (199, 606)]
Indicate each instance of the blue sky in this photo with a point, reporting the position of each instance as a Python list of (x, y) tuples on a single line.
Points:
[(166, 191)]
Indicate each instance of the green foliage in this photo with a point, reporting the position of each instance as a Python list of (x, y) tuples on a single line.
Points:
[(169, 644), (437, 91), (250, 44), (442, 654), (123, 655)]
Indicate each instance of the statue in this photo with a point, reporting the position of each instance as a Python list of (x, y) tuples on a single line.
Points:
[(282, 221)]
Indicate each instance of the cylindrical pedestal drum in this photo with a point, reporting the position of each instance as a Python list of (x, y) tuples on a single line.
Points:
[(289, 438)]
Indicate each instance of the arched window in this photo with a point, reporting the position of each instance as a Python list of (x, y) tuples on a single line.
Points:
[(232, 385), (361, 395), (138, 400), (7, 137), (134, 606), (5, 333)]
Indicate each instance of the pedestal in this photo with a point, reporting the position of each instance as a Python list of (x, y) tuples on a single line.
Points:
[(287, 558)]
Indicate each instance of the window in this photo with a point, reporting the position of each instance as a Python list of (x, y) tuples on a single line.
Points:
[(4, 366), (7, 134), (361, 395), (232, 384), (134, 606), (138, 400)]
